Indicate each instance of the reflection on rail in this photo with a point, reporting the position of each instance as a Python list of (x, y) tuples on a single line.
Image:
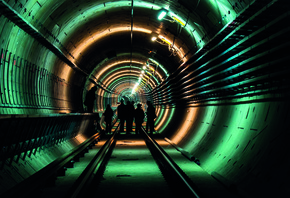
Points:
[(87, 176), (167, 172)]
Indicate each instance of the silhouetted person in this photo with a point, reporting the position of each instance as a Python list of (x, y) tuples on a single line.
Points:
[(121, 115), (108, 118), (129, 116), (90, 99), (150, 117), (139, 117)]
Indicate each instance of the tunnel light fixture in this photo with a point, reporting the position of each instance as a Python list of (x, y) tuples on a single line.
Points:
[(160, 39), (162, 14), (172, 17), (164, 41), (178, 21), (149, 75), (154, 36), (148, 68)]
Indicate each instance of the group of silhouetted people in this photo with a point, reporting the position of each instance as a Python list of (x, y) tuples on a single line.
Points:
[(127, 113)]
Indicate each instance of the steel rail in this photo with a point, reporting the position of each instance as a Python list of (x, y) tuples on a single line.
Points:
[(91, 170), (170, 165)]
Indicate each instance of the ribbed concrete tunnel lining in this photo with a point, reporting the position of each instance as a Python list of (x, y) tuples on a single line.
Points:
[(222, 98)]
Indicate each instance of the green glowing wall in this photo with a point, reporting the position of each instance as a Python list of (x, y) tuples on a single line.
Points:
[(241, 142)]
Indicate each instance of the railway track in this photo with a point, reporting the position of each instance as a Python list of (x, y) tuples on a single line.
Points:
[(134, 165), (137, 165), (127, 165)]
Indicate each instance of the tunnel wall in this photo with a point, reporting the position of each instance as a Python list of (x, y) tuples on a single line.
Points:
[(244, 143), (241, 142), (33, 80), (17, 172), (30, 142), (238, 90)]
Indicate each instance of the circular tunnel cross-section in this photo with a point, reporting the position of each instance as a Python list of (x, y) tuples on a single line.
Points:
[(216, 71)]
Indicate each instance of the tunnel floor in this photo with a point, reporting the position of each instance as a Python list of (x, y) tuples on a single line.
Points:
[(132, 171), (64, 183)]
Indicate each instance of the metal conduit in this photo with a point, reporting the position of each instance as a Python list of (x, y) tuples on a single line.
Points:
[(237, 63)]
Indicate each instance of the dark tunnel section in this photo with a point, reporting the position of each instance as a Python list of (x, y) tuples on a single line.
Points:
[(227, 106)]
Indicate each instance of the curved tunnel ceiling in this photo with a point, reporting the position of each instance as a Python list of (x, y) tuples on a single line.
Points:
[(218, 71), (91, 33), (97, 32)]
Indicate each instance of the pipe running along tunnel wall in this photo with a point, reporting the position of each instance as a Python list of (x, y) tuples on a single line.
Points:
[(217, 72)]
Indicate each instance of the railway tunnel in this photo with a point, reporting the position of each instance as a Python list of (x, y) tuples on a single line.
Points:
[(217, 72)]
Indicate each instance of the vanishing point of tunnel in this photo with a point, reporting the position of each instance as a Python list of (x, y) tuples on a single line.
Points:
[(216, 71)]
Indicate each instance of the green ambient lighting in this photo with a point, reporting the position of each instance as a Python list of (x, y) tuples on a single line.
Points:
[(96, 9), (161, 66), (162, 14), (226, 11), (158, 119), (167, 120)]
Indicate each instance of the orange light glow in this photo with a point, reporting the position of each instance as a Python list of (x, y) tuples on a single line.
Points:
[(120, 74), (158, 111), (131, 142), (100, 35), (163, 120), (183, 130), (65, 74), (81, 138), (107, 67), (178, 49), (162, 142)]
